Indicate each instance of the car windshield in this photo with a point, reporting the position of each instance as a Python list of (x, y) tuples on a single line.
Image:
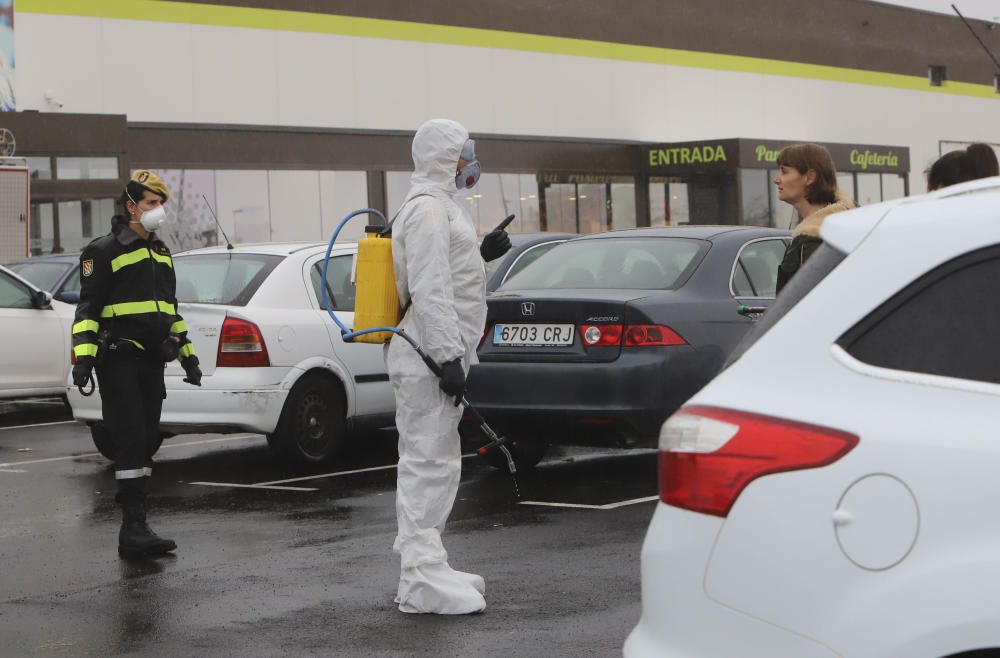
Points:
[(618, 263), (229, 279), (43, 274)]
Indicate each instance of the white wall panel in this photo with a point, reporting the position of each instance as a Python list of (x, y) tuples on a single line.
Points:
[(60, 55), (392, 77), (294, 197), (149, 70), (340, 193), (316, 80), (235, 79), (462, 84)]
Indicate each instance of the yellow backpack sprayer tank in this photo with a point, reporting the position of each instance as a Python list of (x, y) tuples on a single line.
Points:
[(376, 301)]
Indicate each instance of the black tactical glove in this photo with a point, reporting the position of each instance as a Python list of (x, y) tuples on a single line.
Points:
[(83, 371), (495, 244), (190, 365), (453, 380)]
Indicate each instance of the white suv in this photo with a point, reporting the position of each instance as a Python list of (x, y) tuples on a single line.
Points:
[(835, 491), (273, 360)]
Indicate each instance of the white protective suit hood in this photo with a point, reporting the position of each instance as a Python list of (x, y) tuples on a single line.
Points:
[(438, 267)]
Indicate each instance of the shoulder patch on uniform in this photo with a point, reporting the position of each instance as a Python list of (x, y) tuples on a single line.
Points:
[(87, 268), (162, 249)]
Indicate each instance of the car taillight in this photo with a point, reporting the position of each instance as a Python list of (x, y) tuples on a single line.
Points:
[(241, 346), (708, 455), (630, 335), (72, 357), (601, 334), (651, 334)]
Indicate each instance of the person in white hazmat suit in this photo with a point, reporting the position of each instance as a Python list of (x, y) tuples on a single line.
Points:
[(441, 276)]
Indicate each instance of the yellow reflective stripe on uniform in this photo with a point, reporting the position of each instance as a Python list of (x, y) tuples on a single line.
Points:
[(178, 327), (187, 350), (135, 308), (163, 259), (136, 256), (130, 258), (86, 325), (85, 349)]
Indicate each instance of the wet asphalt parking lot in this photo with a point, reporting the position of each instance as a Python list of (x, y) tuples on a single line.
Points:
[(282, 565)]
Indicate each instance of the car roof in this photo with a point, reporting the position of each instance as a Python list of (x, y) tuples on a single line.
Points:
[(59, 258), (271, 248), (520, 239), (698, 232), (20, 278)]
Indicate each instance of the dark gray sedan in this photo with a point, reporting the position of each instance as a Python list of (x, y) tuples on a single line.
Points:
[(613, 332)]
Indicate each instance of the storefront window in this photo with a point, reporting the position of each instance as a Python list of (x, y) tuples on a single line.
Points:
[(623, 205), (42, 228), (492, 199), (845, 183), (592, 201), (244, 207), (893, 187), (340, 193), (40, 167), (869, 189), (87, 168), (678, 204), (560, 208), (77, 223), (755, 197)]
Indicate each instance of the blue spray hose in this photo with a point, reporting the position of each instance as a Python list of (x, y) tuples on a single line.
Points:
[(348, 335)]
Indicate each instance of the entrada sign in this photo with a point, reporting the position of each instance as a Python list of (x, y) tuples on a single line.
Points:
[(686, 155)]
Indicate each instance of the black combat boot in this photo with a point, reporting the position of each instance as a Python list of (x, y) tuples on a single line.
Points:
[(135, 539)]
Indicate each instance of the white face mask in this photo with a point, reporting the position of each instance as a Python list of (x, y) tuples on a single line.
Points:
[(153, 219)]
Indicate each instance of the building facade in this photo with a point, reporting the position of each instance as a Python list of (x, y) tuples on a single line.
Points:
[(278, 118)]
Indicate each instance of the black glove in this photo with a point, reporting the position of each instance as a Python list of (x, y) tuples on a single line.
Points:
[(83, 371), (495, 244), (453, 379), (190, 365)]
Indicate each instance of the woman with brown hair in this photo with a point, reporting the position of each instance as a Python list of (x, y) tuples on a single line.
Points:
[(806, 180)]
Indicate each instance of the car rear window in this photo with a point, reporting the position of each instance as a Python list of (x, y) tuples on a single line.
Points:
[(43, 274), (227, 279), (617, 263), (939, 324)]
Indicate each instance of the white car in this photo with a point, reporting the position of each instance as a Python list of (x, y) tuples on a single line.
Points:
[(35, 350), (835, 490), (273, 360)]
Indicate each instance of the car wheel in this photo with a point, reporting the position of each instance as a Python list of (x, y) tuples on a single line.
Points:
[(104, 441), (525, 452), (312, 429)]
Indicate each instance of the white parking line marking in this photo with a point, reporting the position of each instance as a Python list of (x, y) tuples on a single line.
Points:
[(235, 437), (339, 473), (21, 427), (252, 486), (623, 503), (12, 470), (97, 454)]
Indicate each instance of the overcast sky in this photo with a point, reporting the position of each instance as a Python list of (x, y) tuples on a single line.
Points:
[(984, 9)]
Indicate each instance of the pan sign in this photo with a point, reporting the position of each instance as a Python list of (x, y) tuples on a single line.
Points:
[(8, 147)]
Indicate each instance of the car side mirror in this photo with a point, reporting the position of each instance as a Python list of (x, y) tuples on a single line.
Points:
[(69, 296), (41, 299)]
